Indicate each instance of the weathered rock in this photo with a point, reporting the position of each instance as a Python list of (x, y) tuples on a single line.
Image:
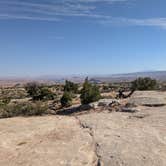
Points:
[(94, 105), (104, 103), (148, 98), (45, 141), (148, 101), (95, 139), (107, 102), (124, 141)]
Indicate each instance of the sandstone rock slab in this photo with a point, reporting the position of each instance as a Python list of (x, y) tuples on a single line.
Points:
[(45, 141), (148, 101), (126, 141)]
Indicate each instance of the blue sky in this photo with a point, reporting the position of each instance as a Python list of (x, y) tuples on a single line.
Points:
[(63, 37)]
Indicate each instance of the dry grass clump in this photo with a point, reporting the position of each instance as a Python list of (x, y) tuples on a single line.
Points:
[(13, 93), (22, 109)]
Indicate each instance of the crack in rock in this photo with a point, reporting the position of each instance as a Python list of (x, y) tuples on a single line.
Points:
[(96, 145)]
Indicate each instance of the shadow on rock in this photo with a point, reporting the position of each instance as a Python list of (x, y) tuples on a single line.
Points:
[(75, 110)]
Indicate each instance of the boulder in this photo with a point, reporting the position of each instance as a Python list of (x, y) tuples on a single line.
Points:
[(94, 105), (104, 103), (107, 102)]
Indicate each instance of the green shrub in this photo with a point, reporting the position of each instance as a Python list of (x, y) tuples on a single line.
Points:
[(38, 92), (71, 87), (89, 93), (46, 94), (144, 84), (66, 100), (5, 101), (33, 89)]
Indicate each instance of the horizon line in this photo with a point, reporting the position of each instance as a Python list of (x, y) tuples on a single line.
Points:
[(27, 77)]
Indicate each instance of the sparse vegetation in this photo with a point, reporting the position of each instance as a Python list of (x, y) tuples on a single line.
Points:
[(89, 93), (33, 89), (5, 101), (22, 109), (12, 93), (146, 83), (32, 99), (39, 92), (46, 94)]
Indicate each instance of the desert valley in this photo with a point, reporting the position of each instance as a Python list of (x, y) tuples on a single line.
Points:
[(53, 125)]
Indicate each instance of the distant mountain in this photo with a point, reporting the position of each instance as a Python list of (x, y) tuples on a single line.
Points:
[(11, 81), (159, 75)]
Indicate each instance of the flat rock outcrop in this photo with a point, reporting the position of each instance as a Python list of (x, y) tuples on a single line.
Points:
[(97, 138), (45, 141), (148, 98), (127, 139)]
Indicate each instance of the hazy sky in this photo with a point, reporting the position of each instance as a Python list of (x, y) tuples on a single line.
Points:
[(54, 37)]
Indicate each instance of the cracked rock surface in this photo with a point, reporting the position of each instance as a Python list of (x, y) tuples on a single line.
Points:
[(45, 141), (96, 139), (126, 139)]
